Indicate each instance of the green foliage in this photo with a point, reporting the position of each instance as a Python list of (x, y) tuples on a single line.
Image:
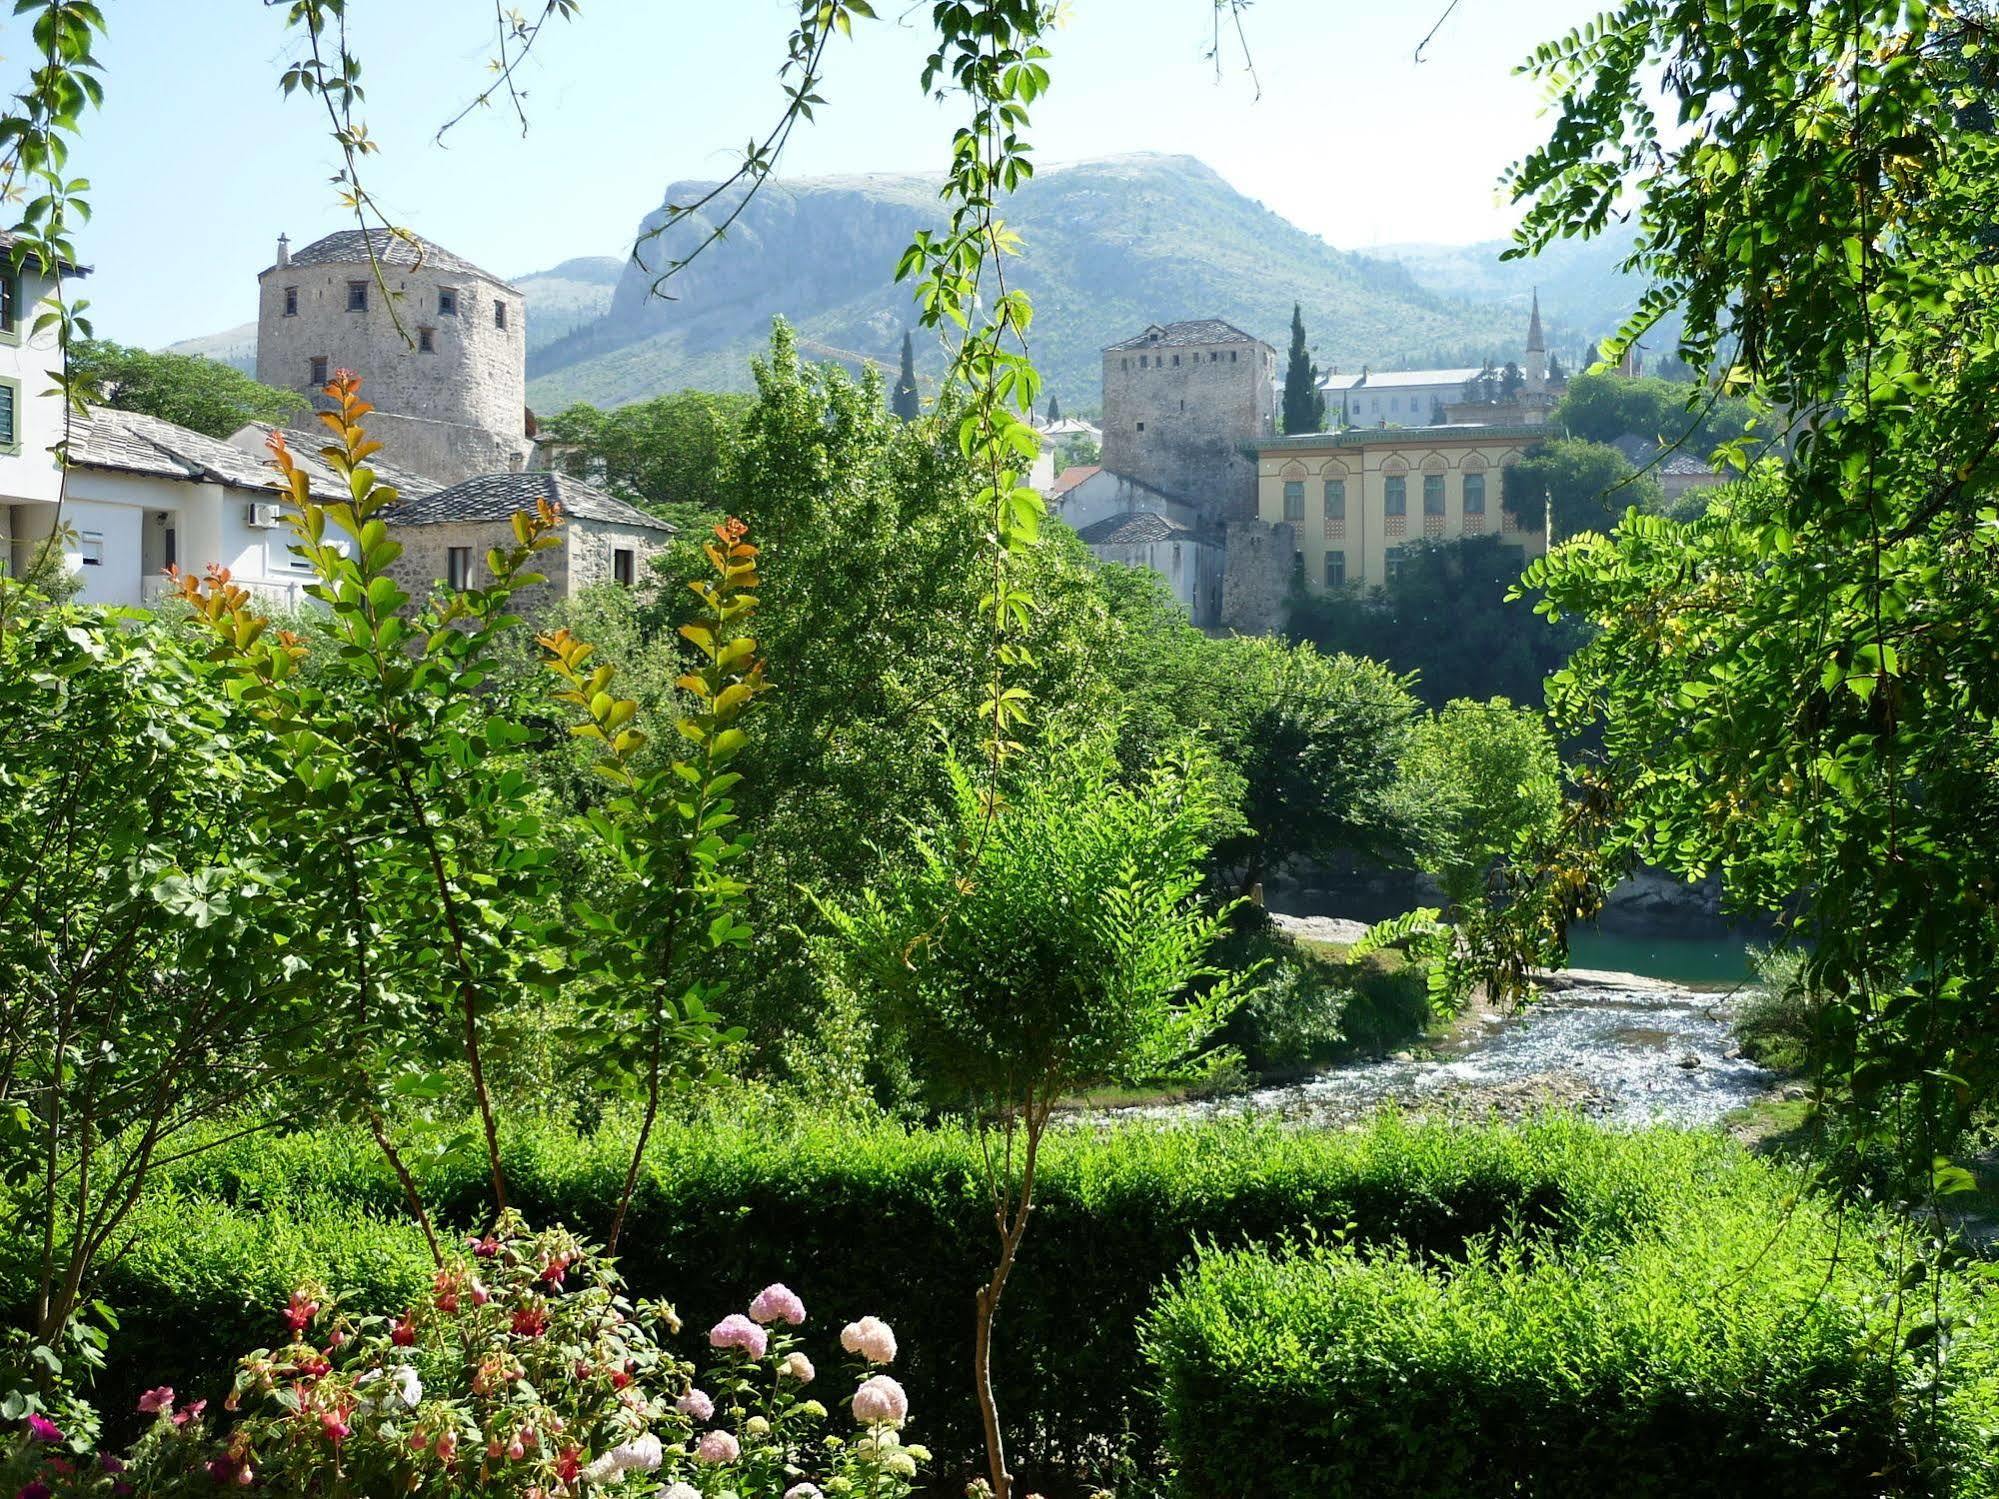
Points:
[(1058, 945), (1587, 485), (203, 394), (1778, 1022), (869, 1216), (1662, 1366), (1317, 741), (1602, 406), (1304, 402), (1317, 1004), (669, 455), (1448, 620), (1490, 778), (1801, 689)]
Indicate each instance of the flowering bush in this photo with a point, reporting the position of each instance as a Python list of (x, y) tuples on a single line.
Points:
[(524, 1373)]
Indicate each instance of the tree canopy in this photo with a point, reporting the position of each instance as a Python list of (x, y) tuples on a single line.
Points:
[(205, 395)]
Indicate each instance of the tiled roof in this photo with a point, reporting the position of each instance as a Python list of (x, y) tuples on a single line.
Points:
[(1134, 527), (498, 496), (1644, 453), (1207, 330), (1070, 477), (254, 441), (1361, 437), (350, 247), (134, 443), (1397, 379)]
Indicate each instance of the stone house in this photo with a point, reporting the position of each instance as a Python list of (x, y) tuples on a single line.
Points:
[(1183, 403), (446, 534), (440, 344), (1676, 469), (1355, 499)]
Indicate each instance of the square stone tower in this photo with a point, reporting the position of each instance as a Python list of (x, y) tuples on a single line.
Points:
[(1181, 402)]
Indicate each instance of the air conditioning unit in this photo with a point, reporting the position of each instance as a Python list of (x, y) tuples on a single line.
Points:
[(265, 515)]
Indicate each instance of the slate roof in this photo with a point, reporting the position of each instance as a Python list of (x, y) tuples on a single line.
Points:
[(1207, 330), (498, 496), (1642, 452), (350, 247), (253, 441), (1396, 379), (132, 442), (1135, 527)]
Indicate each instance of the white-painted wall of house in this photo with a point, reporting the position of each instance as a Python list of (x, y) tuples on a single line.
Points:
[(1105, 494)]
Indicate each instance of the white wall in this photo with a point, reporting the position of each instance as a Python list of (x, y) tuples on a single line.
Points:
[(103, 551), (30, 473), (1105, 494)]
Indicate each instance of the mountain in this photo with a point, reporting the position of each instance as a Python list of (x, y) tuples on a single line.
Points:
[(233, 346), (1109, 246), (1581, 278), (568, 296)]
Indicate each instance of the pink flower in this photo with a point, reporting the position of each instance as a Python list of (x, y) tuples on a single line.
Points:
[(717, 1447), (880, 1401), (695, 1405), (158, 1401), (300, 1310), (486, 1248), (334, 1424), (871, 1338), (797, 1366), (34, 1488), (778, 1303), (42, 1429), (530, 1322), (403, 1334), (191, 1413), (738, 1331)]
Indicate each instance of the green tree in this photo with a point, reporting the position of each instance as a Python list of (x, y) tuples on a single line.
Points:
[(1446, 619), (1801, 690), (1304, 402), (1603, 406), (669, 455), (1055, 946), (1586, 486), (202, 394), (1078, 450), (1054, 410), (907, 404), (1489, 775)]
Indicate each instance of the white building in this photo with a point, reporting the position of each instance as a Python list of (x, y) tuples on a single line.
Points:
[(1394, 398), (1123, 520), (31, 415)]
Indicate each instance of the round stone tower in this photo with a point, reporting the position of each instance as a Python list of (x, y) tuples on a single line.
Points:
[(449, 386)]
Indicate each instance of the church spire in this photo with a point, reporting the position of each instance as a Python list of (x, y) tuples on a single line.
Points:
[(1534, 341)]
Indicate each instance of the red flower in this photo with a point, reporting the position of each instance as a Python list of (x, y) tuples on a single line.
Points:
[(300, 1311), (404, 1332), (191, 1413), (568, 1465), (530, 1322)]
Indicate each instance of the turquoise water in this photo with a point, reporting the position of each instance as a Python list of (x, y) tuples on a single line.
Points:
[(1711, 962)]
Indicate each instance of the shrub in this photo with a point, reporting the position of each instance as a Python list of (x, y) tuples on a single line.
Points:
[(876, 1218), (1778, 1021), (1729, 1351)]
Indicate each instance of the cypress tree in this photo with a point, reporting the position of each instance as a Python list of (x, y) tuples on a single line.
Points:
[(904, 403), (1054, 411), (1304, 406)]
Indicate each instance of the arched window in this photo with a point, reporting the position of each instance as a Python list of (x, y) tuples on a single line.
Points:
[(1336, 499), (1433, 494), (1395, 495), (1474, 494), (1294, 499)]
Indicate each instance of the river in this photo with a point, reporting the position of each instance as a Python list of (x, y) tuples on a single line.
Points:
[(1618, 1046)]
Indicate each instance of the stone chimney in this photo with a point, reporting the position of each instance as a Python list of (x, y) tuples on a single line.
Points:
[(284, 250)]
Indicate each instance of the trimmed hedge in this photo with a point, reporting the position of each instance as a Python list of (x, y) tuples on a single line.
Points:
[(1727, 1354), (875, 1218)]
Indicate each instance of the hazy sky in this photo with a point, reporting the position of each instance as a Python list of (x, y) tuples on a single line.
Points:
[(196, 163)]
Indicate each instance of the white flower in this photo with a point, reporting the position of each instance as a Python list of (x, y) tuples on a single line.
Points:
[(409, 1386), (600, 1469), (871, 1338), (643, 1452)]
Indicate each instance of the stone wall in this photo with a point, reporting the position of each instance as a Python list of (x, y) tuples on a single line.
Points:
[(1179, 418), (585, 556), (473, 376), (1257, 583), (444, 451)]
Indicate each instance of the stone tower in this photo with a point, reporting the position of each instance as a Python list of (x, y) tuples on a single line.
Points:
[(1536, 367), (450, 398), (1180, 402)]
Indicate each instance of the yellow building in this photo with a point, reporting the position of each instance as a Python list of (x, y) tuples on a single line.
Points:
[(1355, 498)]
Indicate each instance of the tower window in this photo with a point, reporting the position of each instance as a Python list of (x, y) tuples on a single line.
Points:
[(1141, 361), (317, 374), (1141, 426), (291, 301), (499, 313), (457, 567), (1176, 361), (447, 302), (1231, 356), (426, 340), (357, 296), (621, 565)]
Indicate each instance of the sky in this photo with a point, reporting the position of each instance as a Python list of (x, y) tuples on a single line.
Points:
[(196, 163)]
